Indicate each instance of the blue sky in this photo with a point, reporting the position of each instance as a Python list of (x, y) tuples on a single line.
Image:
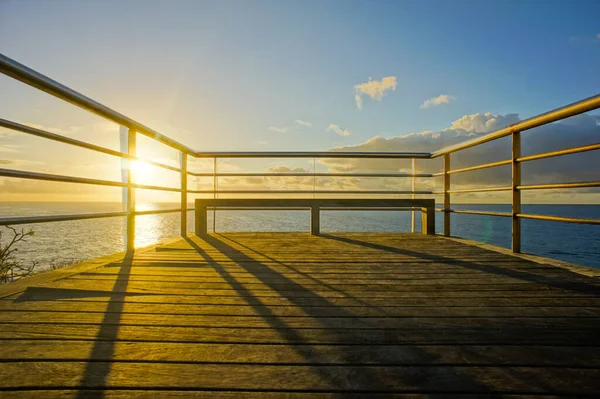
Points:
[(232, 75)]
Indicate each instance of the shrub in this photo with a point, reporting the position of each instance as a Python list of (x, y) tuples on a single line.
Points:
[(10, 267)]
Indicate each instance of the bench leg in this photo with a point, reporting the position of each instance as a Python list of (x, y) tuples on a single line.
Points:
[(200, 220), (315, 220), (428, 221)]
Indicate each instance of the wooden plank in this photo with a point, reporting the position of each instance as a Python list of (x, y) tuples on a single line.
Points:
[(204, 394), (267, 320), (338, 314), (290, 310), (283, 335), (457, 379), (51, 297), (319, 354)]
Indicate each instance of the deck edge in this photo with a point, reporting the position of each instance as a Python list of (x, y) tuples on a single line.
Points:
[(573, 267), (9, 289)]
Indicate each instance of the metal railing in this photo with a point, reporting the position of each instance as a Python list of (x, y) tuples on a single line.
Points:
[(128, 154), (516, 160)]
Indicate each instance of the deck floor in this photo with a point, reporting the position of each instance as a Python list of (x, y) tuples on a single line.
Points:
[(265, 315)]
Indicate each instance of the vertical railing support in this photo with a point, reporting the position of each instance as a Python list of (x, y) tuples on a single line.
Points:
[(183, 166), (516, 193), (446, 195), (129, 192), (414, 185), (315, 220), (215, 188)]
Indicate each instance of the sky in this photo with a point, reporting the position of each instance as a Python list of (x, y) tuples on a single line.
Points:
[(298, 75)]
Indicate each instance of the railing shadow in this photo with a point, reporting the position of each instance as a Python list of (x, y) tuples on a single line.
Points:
[(306, 349), (295, 270), (96, 373), (575, 286)]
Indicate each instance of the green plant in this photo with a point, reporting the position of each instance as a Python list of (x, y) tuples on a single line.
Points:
[(10, 267)]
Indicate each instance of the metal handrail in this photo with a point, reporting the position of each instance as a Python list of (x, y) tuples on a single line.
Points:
[(516, 160), (337, 192), (557, 114), (35, 79), (78, 143), (82, 180), (314, 154), (30, 77), (308, 174), (485, 213), (558, 219), (10, 221), (568, 151), (478, 167)]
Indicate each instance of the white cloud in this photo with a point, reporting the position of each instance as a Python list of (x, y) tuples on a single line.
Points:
[(278, 129), (303, 123), (374, 89), (338, 130), (572, 132), (483, 123), (441, 99)]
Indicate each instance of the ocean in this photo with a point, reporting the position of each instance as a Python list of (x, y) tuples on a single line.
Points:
[(61, 243)]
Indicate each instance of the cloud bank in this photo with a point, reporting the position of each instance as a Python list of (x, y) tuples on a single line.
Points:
[(572, 132)]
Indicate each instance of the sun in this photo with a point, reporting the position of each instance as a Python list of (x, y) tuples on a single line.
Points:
[(141, 170)]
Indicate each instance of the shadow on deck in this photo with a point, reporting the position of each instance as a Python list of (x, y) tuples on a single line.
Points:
[(263, 314)]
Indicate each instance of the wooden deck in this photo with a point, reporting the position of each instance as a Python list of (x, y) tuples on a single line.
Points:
[(259, 315)]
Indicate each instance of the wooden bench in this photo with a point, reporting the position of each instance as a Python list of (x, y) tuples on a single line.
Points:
[(426, 206)]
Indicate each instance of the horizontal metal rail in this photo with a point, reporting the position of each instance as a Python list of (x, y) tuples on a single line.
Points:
[(486, 213), (574, 150), (552, 116), (241, 208), (479, 190), (559, 185), (81, 180), (306, 192), (524, 216), (67, 140), (315, 154), (160, 211), (558, 218), (482, 166), (35, 79), (14, 221), (308, 174), (265, 208)]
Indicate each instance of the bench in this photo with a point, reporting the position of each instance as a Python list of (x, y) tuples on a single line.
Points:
[(426, 206)]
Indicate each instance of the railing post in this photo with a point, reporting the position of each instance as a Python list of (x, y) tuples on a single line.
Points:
[(183, 166), (446, 195), (200, 219), (315, 220), (128, 143), (516, 193), (215, 188), (414, 185)]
